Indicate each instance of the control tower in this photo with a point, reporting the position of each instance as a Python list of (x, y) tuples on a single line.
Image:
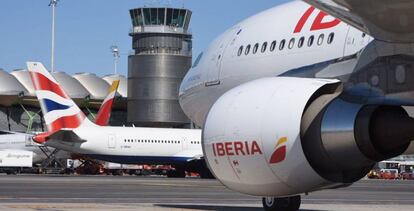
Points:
[(162, 56)]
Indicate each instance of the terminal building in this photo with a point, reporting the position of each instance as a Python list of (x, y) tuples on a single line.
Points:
[(20, 111), (162, 56)]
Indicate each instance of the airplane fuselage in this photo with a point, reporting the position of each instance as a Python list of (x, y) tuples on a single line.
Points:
[(302, 35), (129, 145)]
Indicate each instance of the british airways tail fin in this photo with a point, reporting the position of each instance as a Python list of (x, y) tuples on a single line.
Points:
[(59, 110), (104, 113)]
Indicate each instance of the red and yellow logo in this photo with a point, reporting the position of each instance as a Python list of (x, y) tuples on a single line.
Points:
[(279, 154)]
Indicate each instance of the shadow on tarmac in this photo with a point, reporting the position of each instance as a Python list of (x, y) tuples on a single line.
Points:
[(214, 208)]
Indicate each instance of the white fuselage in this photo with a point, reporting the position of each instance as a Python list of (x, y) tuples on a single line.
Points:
[(132, 145), (23, 142), (222, 68)]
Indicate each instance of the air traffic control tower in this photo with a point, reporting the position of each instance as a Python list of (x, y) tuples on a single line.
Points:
[(162, 56)]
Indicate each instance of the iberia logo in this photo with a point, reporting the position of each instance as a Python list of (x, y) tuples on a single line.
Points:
[(279, 154), (319, 22)]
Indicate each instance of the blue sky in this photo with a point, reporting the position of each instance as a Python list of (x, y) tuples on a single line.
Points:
[(85, 29)]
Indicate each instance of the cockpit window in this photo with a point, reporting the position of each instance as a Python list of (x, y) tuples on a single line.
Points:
[(198, 59)]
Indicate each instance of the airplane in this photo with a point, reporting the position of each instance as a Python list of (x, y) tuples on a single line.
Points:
[(70, 130), (305, 96), (15, 141)]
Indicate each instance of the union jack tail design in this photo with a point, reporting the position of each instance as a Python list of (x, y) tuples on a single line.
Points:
[(104, 112), (59, 110)]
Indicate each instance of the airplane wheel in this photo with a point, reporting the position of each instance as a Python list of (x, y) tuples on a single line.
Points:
[(281, 204), (178, 173)]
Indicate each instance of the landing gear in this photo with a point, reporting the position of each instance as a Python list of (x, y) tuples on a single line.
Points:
[(177, 173), (281, 204)]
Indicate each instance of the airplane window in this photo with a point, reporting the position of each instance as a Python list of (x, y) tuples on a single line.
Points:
[(247, 50), (320, 39), (291, 43), (331, 37), (239, 31), (282, 44), (273, 46), (310, 40), (240, 51), (301, 41), (198, 59), (264, 47), (256, 46)]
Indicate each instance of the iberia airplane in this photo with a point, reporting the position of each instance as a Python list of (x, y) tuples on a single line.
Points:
[(305, 96)]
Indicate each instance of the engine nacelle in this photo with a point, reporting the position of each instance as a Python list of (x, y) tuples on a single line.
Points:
[(285, 136)]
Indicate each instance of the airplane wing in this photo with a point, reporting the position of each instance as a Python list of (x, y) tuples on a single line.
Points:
[(66, 135), (385, 20)]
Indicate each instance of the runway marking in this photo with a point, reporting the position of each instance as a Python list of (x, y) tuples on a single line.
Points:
[(192, 200)]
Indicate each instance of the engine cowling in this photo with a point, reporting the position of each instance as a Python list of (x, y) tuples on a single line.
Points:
[(284, 136)]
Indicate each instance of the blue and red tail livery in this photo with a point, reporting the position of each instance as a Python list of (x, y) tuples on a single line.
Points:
[(58, 108)]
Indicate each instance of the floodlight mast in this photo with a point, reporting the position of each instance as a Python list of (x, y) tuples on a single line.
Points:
[(53, 4), (115, 54)]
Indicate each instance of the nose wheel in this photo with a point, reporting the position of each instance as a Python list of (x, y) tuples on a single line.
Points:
[(281, 204)]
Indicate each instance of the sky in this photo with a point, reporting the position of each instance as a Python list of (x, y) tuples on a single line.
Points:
[(85, 30)]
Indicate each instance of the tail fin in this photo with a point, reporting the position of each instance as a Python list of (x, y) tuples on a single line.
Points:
[(104, 112), (59, 110)]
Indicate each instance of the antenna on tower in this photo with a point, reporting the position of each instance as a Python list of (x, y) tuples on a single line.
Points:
[(116, 55)]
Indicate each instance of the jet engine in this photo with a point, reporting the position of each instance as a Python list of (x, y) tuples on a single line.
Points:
[(284, 136)]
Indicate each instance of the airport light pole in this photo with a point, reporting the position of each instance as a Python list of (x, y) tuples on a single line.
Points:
[(53, 4), (115, 54)]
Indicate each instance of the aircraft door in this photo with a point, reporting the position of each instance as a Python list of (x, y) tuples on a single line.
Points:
[(111, 141), (184, 143), (216, 58), (355, 41)]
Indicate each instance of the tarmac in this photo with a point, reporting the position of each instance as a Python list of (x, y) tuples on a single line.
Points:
[(62, 193)]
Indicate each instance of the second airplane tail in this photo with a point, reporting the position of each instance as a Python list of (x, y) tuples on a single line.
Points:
[(59, 110), (104, 113)]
